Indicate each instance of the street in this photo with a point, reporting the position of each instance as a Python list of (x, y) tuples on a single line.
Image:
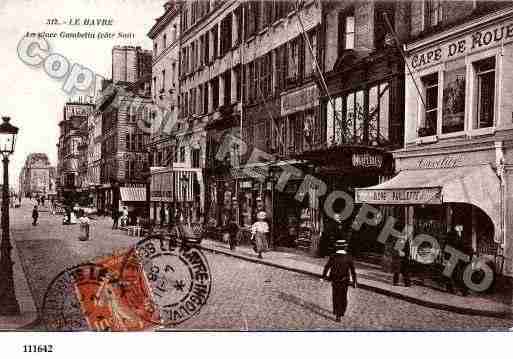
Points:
[(244, 295)]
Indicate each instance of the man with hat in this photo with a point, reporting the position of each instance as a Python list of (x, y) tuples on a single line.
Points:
[(339, 270)]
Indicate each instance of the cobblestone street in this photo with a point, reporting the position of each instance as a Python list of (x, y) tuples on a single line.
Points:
[(244, 296)]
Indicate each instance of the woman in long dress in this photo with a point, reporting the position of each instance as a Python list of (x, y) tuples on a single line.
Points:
[(260, 231)]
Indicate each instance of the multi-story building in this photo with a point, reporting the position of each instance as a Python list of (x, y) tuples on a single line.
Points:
[(124, 109), (165, 34), (210, 93), (37, 177), (455, 171), (93, 159), (71, 136)]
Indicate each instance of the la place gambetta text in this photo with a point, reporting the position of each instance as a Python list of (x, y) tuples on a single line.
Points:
[(100, 35)]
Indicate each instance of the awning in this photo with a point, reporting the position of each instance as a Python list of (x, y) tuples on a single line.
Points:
[(477, 185), (133, 194)]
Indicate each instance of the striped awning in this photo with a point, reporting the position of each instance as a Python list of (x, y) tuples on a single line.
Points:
[(133, 194)]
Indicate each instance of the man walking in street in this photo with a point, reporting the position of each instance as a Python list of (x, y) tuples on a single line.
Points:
[(35, 216), (339, 270)]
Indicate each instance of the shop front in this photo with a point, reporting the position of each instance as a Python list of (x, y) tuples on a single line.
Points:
[(344, 168), (133, 198), (177, 195)]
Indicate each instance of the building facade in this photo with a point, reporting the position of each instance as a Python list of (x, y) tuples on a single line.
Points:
[(71, 137), (122, 116), (37, 177), (455, 170), (165, 35)]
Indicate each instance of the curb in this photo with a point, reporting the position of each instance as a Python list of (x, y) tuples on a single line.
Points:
[(410, 299), (28, 309)]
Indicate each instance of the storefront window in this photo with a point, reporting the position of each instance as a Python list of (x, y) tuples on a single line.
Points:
[(485, 96), (453, 119), (427, 126), (350, 121)]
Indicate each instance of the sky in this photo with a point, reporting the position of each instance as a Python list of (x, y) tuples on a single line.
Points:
[(32, 99)]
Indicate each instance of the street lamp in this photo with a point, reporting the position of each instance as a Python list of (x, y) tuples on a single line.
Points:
[(8, 303)]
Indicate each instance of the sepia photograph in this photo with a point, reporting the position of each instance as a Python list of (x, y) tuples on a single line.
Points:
[(256, 166)]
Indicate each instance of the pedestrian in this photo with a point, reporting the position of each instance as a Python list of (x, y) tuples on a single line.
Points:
[(339, 270), (455, 280), (231, 229), (401, 262), (35, 216), (42, 200), (84, 226), (260, 232), (115, 218)]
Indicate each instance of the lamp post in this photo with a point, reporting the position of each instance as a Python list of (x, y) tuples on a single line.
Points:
[(8, 303), (184, 180)]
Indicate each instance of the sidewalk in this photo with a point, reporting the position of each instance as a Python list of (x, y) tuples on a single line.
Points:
[(23, 295), (372, 277)]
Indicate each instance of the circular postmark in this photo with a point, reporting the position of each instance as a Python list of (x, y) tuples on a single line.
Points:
[(177, 276), (62, 308)]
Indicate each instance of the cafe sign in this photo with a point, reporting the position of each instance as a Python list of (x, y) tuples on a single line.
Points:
[(473, 42), (367, 160), (428, 195)]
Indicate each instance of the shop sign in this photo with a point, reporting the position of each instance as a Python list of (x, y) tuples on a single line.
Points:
[(440, 162), (432, 195), (301, 100), (367, 160), (476, 41)]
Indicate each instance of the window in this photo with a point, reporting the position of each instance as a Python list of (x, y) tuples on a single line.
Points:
[(215, 93), (311, 54), (485, 92), (163, 81), (427, 126), (215, 38), (294, 63), (173, 33), (182, 154), (357, 117), (236, 73), (281, 61), (453, 110), (226, 34), (164, 41), (173, 74), (155, 48), (251, 17), (433, 13), (346, 27), (195, 155), (205, 98), (380, 26), (227, 88), (154, 86)]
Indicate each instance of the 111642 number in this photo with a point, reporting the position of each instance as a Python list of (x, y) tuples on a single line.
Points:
[(38, 348)]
